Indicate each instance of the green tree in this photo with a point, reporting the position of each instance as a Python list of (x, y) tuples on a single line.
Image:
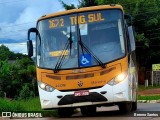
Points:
[(87, 3), (4, 73), (67, 7), (16, 74), (147, 21), (82, 3), (23, 72), (5, 53)]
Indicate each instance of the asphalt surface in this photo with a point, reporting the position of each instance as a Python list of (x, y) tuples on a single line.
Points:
[(145, 111)]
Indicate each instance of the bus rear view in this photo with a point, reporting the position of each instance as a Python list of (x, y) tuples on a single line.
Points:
[(85, 58)]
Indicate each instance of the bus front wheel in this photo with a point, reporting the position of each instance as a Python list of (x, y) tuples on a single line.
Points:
[(134, 106), (86, 110), (65, 112), (125, 107)]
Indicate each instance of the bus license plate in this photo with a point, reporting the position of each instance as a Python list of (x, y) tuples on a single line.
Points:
[(81, 93)]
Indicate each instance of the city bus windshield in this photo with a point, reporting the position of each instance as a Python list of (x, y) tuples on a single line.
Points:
[(101, 32)]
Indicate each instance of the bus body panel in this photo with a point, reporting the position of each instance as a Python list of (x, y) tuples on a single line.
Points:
[(97, 80)]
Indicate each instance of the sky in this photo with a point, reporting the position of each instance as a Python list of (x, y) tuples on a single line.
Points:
[(17, 16)]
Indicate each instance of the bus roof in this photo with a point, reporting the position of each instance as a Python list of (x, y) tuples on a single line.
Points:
[(112, 6)]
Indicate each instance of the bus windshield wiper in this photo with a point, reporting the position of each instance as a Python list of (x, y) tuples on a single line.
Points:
[(63, 54), (84, 47), (70, 40), (61, 58)]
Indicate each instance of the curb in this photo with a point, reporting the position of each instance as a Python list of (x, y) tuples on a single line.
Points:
[(148, 101)]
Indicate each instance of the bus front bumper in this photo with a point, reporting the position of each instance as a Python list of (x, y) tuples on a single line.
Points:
[(103, 95)]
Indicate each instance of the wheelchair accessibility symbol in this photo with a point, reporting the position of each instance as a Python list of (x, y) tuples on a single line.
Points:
[(85, 60)]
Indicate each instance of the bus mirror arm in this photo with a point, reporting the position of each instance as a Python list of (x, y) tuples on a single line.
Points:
[(131, 39), (34, 30)]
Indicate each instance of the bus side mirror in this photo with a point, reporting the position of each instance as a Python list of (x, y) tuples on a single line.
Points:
[(128, 19), (30, 48), (29, 42), (131, 38)]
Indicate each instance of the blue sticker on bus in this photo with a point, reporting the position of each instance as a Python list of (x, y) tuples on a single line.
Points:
[(85, 60)]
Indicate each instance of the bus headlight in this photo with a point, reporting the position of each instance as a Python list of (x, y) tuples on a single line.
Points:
[(118, 78), (45, 87), (121, 77)]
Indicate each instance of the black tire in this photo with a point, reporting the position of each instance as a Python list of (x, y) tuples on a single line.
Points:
[(134, 106), (88, 110), (125, 107), (83, 111), (65, 112)]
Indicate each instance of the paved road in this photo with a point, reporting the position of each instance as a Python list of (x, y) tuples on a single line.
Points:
[(112, 113)]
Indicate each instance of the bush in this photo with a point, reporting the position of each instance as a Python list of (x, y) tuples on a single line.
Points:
[(2, 95), (25, 93)]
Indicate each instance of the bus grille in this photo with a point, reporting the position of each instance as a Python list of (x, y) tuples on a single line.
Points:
[(92, 97), (80, 76)]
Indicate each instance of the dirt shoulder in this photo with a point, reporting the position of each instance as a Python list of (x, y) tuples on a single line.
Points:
[(155, 91)]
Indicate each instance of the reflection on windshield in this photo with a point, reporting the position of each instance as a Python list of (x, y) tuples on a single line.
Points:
[(103, 36), (106, 41)]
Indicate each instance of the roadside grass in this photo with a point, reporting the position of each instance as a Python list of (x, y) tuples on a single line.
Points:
[(10, 105), (149, 97), (142, 87), (31, 105)]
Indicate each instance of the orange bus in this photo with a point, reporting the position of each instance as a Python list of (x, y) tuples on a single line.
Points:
[(85, 59)]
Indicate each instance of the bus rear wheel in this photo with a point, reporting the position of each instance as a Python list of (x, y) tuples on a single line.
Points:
[(65, 112), (88, 110), (125, 107)]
